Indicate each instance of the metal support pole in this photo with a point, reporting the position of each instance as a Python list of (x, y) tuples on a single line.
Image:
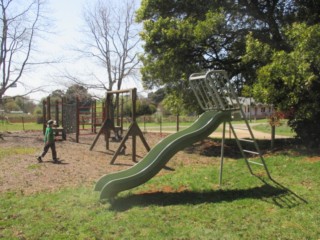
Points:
[(222, 152)]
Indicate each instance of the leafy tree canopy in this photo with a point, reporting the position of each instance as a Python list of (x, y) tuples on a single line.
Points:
[(77, 91), (270, 40), (291, 80), (182, 37), (18, 103)]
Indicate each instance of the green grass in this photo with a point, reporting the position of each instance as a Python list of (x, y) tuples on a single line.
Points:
[(5, 152), (244, 208), (171, 127), (283, 129), (19, 126), (165, 126)]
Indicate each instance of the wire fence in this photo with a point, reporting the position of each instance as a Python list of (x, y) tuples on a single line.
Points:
[(146, 123)]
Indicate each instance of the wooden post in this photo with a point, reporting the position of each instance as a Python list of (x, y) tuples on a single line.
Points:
[(178, 121), (108, 117), (57, 113), (160, 121), (48, 108), (77, 120), (22, 118), (134, 141), (108, 125), (93, 116), (273, 136), (44, 116), (63, 102), (117, 117), (121, 117), (104, 117)]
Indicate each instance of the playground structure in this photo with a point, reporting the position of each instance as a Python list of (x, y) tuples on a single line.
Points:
[(214, 91), (55, 114), (217, 97), (74, 116), (114, 122), (65, 115)]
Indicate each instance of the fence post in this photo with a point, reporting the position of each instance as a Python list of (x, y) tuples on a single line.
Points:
[(178, 120), (160, 120), (22, 123), (77, 120), (44, 116)]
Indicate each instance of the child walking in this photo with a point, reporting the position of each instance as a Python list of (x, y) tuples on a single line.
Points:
[(49, 142)]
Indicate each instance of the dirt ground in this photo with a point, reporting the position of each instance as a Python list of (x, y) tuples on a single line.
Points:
[(79, 166)]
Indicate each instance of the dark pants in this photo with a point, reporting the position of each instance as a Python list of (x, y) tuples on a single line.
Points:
[(53, 150)]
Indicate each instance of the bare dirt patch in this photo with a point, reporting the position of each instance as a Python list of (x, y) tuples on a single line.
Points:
[(313, 159), (79, 166)]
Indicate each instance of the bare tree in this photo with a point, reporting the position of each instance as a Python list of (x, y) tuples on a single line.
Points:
[(20, 23), (111, 39)]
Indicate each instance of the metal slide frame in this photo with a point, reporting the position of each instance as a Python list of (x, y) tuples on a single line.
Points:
[(214, 91)]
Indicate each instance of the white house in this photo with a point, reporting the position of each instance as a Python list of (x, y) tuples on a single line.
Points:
[(255, 110)]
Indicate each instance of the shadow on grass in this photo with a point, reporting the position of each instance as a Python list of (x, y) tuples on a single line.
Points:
[(212, 147), (277, 195)]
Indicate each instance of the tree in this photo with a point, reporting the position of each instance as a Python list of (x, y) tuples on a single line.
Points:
[(11, 105), (157, 96), (143, 107), (291, 80), (25, 104), (18, 103), (111, 40), (79, 92), (58, 93), (173, 103), (182, 37), (20, 25), (251, 38)]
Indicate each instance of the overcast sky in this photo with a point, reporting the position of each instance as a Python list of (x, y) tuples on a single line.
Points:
[(66, 16)]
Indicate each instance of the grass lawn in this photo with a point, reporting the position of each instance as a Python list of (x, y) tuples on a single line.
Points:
[(19, 126), (194, 207), (283, 129)]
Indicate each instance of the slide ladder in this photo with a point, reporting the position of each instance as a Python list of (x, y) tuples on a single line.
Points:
[(213, 90), (249, 147)]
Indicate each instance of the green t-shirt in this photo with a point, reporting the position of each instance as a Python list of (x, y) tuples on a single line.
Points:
[(49, 136)]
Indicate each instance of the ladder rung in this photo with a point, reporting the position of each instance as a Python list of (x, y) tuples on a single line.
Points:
[(248, 151), (255, 162), (246, 140)]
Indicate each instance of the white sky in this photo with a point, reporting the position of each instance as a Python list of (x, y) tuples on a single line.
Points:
[(67, 21)]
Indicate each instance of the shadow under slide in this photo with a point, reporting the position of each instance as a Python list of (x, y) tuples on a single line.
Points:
[(111, 184)]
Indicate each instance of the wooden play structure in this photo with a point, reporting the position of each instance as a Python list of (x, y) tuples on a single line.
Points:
[(54, 110), (113, 122), (88, 117), (73, 116)]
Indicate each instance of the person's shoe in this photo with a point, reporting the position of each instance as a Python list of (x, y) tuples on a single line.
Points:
[(56, 161), (39, 159)]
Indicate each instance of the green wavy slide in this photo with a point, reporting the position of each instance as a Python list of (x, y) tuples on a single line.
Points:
[(111, 184)]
